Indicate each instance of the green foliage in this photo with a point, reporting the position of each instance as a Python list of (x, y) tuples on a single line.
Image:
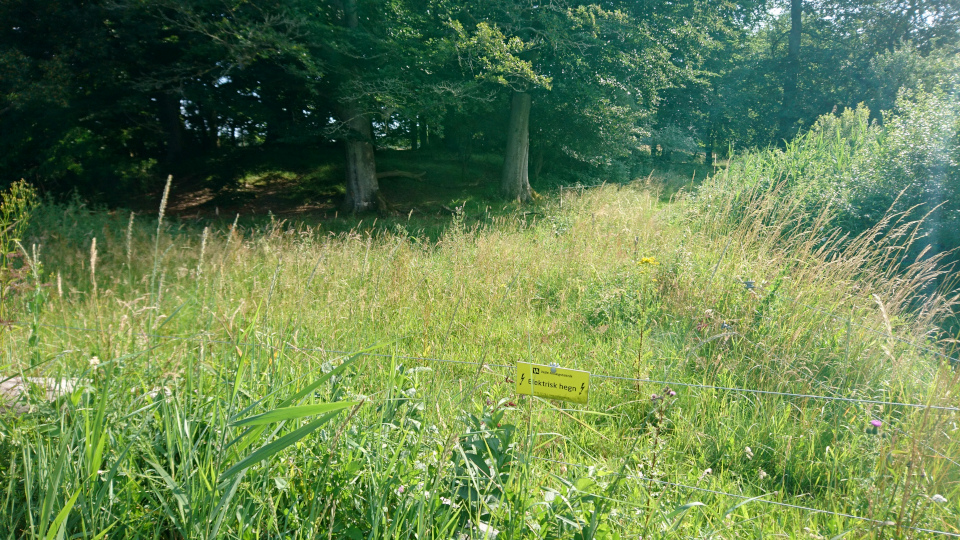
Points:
[(106, 98), (881, 47), (852, 173), (916, 160), (498, 58), (907, 69), (17, 205), (18, 272)]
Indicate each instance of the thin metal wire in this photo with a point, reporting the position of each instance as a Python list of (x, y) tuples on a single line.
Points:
[(850, 321), (199, 337), (634, 477), (782, 394), (761, 500), (927, 446), (504, 366)]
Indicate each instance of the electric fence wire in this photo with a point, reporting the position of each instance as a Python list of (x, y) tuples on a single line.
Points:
[(195, 338), (761, 500), (199, 337), (750, 285), (925, 445), (782, 394)]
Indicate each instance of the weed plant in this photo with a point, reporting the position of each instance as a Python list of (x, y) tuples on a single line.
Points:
[(279, 380), (857, 173)]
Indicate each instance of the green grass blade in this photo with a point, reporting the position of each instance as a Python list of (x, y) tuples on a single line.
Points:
[(175, 490), (52, 488), (326, 377), (733, 508), (292, 413), (681, 511), (104, 532), (221, 510), (170, 317), (276, 446), (56, 528)]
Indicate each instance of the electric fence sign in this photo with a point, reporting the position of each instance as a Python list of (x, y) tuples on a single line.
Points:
[(553, 382)]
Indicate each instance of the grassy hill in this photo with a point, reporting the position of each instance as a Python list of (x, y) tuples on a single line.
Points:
[(288, 377)]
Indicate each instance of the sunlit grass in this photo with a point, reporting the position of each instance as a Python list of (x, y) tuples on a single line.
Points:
[(614, 281)]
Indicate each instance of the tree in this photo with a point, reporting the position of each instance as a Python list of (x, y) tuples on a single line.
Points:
[(775, 75), (65, 114), (788, 107), (384, 58), (594, 70)]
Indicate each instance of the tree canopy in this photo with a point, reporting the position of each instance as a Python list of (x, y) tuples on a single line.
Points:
[(108, 96)]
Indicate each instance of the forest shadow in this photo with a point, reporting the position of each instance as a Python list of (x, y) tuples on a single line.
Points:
[(423, 189)]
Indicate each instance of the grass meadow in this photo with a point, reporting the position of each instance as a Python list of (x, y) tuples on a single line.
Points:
[(276, 379)]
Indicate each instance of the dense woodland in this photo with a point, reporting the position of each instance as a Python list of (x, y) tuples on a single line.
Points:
[(107, 97)]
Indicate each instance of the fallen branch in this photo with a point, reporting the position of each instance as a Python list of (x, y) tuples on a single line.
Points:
[(404, 174)]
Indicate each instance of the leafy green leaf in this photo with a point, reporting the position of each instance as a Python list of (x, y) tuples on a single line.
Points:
[(55, 527), (276, 446), (292, 413)]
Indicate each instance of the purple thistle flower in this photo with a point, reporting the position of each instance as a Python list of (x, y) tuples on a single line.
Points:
[(876, 423), (672, 393)]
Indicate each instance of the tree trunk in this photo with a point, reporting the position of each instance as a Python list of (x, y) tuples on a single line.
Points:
[(788, 107), (538, 164), (413, 134), (708, 154), (211, 132), (362, 186), (514, 182), (464, 144), (169, 109), (424, 140), (274, 113)]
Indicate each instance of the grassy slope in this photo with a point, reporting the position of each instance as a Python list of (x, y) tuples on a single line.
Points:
[(556, 283)]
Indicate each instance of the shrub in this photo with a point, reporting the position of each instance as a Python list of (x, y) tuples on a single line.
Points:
[(849, 172), (16, 206)]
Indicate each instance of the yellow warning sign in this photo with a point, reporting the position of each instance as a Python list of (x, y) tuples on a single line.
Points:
[(553, 382)]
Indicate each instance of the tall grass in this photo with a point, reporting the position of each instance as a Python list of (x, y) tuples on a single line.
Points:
[(851, 173), (209, 382)]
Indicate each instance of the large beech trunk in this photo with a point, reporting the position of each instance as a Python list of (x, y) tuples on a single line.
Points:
[(362, 186), (515, 182)]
